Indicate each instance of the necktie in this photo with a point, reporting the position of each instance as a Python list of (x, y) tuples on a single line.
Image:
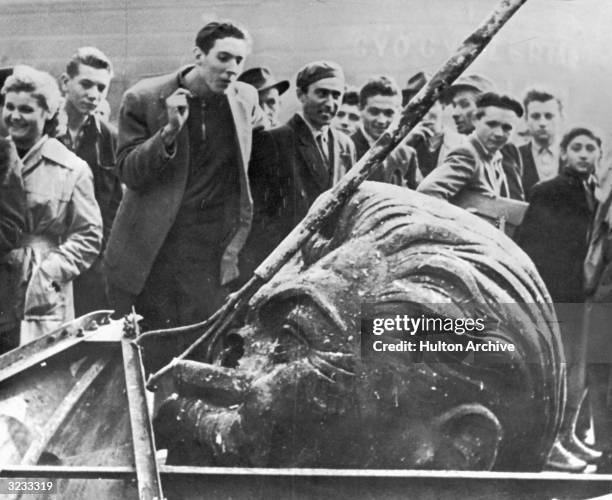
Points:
[(501, 187), (589, 189), (322, 143)]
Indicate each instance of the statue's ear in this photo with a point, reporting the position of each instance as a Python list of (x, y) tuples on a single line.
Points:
[(469, 438)]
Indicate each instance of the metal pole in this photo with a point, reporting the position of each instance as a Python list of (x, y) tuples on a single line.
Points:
[(147, 473)]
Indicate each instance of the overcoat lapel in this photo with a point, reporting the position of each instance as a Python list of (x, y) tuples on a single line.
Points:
[(310, 154)]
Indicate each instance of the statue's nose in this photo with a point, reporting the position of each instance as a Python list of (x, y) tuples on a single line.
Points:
[(216, 384)]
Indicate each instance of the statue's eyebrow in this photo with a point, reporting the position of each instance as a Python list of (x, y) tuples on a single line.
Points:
[(316, 296)]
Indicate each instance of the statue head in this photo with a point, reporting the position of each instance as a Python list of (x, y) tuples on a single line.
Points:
[(291, 387)]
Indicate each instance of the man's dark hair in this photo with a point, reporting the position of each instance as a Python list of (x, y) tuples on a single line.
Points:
[(499, 101), (540, 95), (574, 132), (379, 85), (89, 56), (351, 97), (209, 34)]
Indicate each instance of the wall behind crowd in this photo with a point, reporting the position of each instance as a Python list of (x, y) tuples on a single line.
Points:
[(562, 43)]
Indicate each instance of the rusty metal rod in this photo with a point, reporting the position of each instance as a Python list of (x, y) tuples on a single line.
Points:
[(143, 442), (330, 201)]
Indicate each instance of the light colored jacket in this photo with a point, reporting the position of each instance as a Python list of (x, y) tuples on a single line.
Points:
[(467, 167), (63, 234)]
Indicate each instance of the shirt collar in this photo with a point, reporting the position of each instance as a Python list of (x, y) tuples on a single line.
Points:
[(315, 133), (368, 137), (92, 120), (482, 150), (32, 157), (537, 150)]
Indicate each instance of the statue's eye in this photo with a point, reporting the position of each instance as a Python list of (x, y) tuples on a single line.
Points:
[(289, 344)]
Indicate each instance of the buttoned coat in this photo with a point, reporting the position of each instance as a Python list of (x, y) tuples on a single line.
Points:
[(289, 160), (156, 180), (554, 234), (63, 234), (288, 173)]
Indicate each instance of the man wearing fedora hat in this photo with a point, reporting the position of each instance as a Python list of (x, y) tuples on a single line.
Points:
[(269, 91)]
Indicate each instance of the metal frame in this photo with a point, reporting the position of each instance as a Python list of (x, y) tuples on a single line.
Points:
[(89, 328)]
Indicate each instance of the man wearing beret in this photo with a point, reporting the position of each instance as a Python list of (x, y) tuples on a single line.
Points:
[(269, 91), (184, 146), (295, 163)]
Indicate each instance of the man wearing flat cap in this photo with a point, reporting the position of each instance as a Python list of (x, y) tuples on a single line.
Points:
[(269, 91), (295, 163), (462, 96)]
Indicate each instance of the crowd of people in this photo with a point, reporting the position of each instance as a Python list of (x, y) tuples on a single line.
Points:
[(174, 210)]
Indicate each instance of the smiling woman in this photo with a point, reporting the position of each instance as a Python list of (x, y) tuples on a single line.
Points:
[(63, 223)]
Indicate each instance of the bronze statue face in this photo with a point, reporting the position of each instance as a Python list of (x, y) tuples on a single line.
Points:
[(290, 388)]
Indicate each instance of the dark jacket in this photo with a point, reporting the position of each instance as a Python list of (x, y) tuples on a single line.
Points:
[(554, 234), (96, 145), (12, 225), (361, 143), (400, 167), (530, 174), (513, 166), (287, 174), (12, 198)]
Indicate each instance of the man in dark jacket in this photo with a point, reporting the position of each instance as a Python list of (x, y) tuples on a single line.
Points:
[(554, 233), (555, 228), (85, 84)]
